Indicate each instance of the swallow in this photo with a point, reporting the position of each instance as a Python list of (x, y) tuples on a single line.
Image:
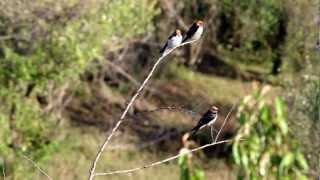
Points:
[(194, 32), (173, 41), (207, 119)]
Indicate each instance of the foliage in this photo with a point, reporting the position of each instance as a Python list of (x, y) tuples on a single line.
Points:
[(250, 30), (257, 36), (27, 134), (264, 147), (68, 45), (46, 44), (188, 169)]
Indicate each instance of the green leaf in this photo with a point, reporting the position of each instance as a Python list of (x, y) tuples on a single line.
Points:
[(265, 115), (242, 118), (244, 159), (281, 120), (235, 153), (286, 161), (280, 107), (182, 160), (302, 161), (198, 174)]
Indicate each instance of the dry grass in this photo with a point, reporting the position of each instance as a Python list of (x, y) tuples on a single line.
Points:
[(73, 163)]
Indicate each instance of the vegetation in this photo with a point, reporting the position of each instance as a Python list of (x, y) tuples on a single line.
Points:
[(189, 171), (67, 68), (44, 48), (304, 117), (263, 146)]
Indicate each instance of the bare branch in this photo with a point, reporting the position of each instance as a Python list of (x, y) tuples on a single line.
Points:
[(211, 133), (38, 167), (162, 161), (144, 144), (127, 76), (171, 12), (224, 122), (124, 113), (170, 108), (176, 156), (122, 72)]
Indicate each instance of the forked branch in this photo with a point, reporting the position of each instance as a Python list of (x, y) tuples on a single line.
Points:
[(124, 113), (126, 171), (162, 161)]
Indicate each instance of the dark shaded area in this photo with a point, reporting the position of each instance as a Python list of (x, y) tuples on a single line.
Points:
[(276, 43), (226, 29), (211, 64)]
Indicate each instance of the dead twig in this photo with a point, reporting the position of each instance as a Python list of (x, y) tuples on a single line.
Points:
[(173, 14), (173, 157), (162, 161), (224, 122), (144, 144), (170, 108), (211, 132), (128, 76), (38, 167)]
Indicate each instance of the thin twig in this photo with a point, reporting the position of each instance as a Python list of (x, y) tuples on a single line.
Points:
[(173, 14), (145, 144), (170, 108), (176, 156), (122, 72), (224, 122), (162, 161), (127, 76), (38, 167), (211, 131), (124, 113)]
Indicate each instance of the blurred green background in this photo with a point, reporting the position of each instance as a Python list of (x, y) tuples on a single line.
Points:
[(68, 67)]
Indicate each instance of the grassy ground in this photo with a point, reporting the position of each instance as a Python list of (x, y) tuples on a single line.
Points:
[(217, 89), (74, 161)]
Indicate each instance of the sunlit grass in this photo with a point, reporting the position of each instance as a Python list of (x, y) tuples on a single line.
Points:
[(217, 89)]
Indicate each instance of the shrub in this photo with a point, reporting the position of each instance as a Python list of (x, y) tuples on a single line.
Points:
[(46, 44), (264, 146), (189, 170)]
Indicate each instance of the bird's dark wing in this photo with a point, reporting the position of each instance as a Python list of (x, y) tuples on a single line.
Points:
[(191, 32), (164, 47), (205, 119), (173, 34)]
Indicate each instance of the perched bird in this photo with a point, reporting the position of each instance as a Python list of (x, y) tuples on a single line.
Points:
[(173, 41), (207, 119), (194, 32)]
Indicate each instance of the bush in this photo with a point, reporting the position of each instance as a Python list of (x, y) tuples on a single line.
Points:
[(264, 146), (256, 36), (46, 44), (189, 170)]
